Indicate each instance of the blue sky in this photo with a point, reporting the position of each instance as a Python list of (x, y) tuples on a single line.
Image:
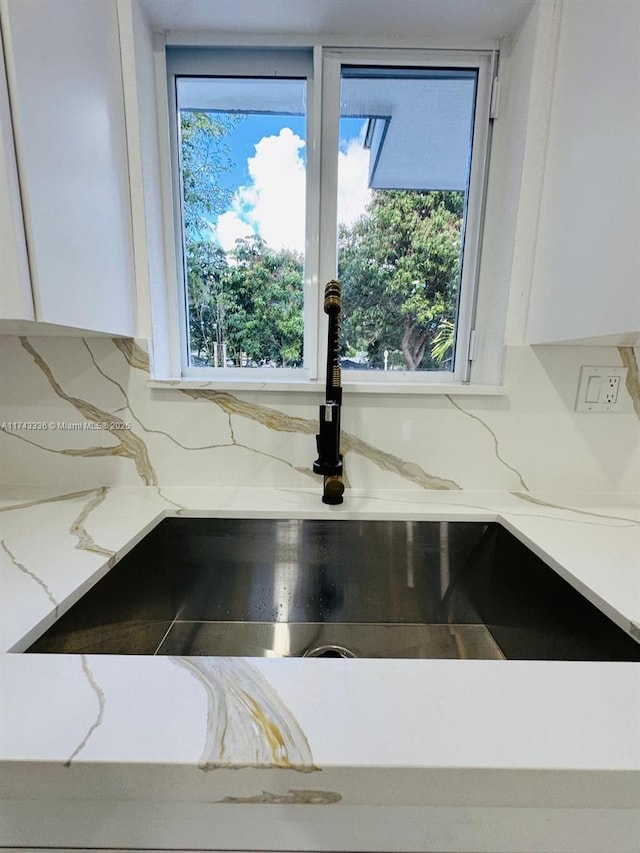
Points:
[(267, 177), (250, 130)]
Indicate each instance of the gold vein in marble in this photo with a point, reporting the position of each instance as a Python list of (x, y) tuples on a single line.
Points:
[(388, 462), (291, 798), (236, 443), (85, 540), (179, 507), (496, 445), (216, 446), (306, 471), (248, 725), (233, 437), (85, 664), (129, 445), (101, 707), (31, 574), (628, 357), (133, 414), (280, 422), (69, 451), (133, 353), (264, 415), (539, 502), (69, 496)]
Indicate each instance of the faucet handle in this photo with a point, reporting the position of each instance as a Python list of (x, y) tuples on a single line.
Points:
[(333, 490)]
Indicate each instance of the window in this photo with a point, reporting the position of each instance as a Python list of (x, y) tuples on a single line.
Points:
[(292, 167)]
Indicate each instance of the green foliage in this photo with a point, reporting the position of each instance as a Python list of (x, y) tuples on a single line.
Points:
[(247, 302), (205, 157), (249, 299), (399, 267), (265, 319), (206, 269), (442, 344)]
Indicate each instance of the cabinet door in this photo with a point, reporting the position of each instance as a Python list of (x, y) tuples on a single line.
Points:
[(16, 302), (587, 265), (65, 85)]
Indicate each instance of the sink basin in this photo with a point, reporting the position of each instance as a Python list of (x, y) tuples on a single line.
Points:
[(335, 588)]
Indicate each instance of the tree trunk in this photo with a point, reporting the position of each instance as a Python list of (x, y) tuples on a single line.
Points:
[(413, 344)]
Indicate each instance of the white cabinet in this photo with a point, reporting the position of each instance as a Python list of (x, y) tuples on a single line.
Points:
[(586, 276), (65, 87)]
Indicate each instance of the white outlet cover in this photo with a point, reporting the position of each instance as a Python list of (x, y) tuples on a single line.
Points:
[(591, 377)]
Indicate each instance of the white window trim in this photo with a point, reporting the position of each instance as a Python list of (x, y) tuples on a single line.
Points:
[(321, 241), (351, 387)]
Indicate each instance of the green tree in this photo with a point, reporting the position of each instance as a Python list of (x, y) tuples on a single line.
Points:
[(264, 317), (208, 303), (399, 265), (246, 302), (443, 342), (205, 158)]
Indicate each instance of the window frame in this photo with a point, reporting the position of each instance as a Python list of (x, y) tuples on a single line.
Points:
[(296, 63), (323, 74), (483, 61)]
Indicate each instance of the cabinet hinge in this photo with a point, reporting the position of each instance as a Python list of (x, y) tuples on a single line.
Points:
[(496, 89), (473, 345)]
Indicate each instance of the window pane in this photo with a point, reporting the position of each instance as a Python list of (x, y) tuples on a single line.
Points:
[(242, 167), (403, 175)]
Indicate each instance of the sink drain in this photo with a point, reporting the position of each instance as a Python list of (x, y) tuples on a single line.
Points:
[(328, 651)]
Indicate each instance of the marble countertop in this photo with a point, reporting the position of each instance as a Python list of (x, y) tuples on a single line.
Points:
[(365, 732)]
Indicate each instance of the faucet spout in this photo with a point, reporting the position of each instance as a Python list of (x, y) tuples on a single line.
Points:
[(329, 461)]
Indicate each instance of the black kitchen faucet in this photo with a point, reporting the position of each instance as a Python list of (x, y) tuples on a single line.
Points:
[(329, 461)]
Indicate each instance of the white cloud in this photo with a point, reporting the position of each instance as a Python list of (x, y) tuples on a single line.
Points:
[(230, 228), (273, 204), (353, 177), (277, 197)]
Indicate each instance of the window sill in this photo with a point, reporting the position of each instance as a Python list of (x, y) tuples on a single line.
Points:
[(251, 385)]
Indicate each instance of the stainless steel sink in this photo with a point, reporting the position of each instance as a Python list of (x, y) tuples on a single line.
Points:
[(334, 588)]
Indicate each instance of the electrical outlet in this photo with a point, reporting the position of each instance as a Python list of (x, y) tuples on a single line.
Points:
[(612, 384), (599, 389)]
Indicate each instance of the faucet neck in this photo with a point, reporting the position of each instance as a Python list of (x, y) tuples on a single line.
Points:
[(329, 461)]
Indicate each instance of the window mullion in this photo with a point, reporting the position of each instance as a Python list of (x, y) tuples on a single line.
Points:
[(328, 262), (312, 250)]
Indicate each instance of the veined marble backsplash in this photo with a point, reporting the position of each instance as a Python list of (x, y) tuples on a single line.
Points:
[(530, 439)]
